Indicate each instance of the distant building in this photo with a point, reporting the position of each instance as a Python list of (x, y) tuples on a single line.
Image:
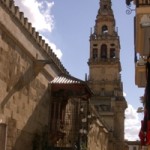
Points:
[(135, 145)]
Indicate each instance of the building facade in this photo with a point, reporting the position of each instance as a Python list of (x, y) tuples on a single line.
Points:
[(134, 145), (27, 65), (104, 74), (142, 63)]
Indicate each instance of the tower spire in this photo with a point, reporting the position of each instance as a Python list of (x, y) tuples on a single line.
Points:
[(105, 6), (105, 15)]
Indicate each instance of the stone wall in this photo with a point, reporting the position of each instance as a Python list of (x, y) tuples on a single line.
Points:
[(97, 137), (98, 134), (24, 78)]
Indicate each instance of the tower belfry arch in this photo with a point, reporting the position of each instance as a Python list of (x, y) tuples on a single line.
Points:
[(105, 74)]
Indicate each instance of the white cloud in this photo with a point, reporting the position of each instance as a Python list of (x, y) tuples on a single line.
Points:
[(132, 124), (124, 94), (39, 14), (54, 48)]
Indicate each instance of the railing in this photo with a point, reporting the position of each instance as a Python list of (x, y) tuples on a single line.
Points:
[(103, 60), (142, 3), (137, 3), (103, 36)]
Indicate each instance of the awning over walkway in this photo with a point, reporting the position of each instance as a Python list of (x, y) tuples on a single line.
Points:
[(69, 86)]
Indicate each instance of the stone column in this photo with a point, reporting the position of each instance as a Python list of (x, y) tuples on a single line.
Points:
[(3, 132)]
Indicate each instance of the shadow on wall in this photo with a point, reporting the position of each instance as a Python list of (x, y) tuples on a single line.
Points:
[(34, 135), (24, 80)]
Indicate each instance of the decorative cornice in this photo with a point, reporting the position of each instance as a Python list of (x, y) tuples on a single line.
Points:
[(19, 16), (108, 61)]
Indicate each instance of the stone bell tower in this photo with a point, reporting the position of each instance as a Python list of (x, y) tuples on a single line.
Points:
[(104, 74)]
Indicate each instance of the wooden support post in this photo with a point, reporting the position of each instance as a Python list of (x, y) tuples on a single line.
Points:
[(3, 133)]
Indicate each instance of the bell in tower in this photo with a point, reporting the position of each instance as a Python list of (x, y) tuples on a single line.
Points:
[(104, 41)]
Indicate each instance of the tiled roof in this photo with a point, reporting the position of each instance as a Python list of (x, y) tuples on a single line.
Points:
[(69, 82), (66, 79)]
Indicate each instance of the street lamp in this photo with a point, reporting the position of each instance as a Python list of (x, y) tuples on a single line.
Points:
[(81, 109), (145, 20), (83, 139), (83, 131), (140, 110), (84, 120), (89, 115)]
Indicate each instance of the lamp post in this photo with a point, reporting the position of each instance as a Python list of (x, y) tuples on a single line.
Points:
[(83, 131)]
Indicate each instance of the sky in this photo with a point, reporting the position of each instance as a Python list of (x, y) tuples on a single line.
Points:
[(66, 24)]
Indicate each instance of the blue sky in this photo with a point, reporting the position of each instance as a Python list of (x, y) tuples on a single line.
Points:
[(66, 24), (73, 20)]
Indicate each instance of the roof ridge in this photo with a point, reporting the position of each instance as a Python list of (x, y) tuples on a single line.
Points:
[(73, 78), (14, 10)]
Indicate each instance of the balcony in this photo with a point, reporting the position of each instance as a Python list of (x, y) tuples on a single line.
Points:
[(142, 3), (138, 3), (103, 61), (140, 76), (142, 39)]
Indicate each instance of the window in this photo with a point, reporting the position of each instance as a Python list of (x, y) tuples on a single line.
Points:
[(104, 29), (115, 92), (105, 6), (95, 53), (102, 92), (146, 46), (112, 53), (112, 44), (94, 45), (104, 51), (104, 107), (56, 116)]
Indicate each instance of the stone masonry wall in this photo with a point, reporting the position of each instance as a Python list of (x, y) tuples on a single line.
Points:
[(24, 95), (97, 137)]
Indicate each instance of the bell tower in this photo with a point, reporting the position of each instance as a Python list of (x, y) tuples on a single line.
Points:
[(104, 74)]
